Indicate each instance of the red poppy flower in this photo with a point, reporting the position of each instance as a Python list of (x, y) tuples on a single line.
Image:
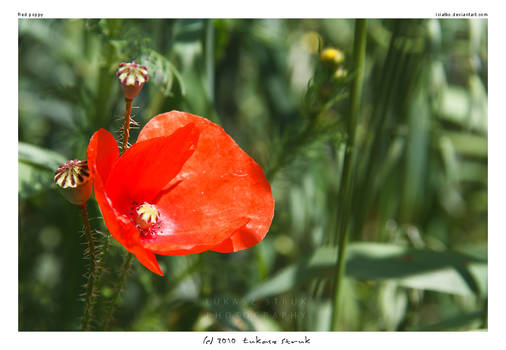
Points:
[(185, 187)]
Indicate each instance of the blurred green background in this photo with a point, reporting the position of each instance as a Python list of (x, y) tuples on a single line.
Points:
[(417, 257)]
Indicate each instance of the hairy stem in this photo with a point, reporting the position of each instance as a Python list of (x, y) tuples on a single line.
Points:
[(126, 125), (125, 268), (345, 192), (101, 262), (127, 260), (90, 285)]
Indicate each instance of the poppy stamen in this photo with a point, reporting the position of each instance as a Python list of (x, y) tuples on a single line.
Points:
[(146, 218)]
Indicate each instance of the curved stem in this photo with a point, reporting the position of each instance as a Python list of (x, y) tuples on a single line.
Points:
[(90, 285), (125, 268), (345, 189), (126, 125)]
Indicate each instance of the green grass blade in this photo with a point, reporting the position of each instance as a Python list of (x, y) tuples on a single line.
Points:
[(445, 272)]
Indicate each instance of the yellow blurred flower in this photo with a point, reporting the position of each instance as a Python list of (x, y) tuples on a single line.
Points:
[(332, 55)]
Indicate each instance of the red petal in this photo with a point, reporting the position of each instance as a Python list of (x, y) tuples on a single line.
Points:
[(220, 200), (102, 155), (147, 167), (243, 238), (147, 259), (121, 227)]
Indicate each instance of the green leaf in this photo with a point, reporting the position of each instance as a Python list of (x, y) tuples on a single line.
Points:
[(466, 107), (455, 105), (468, 144), (318, 314), (393, 302), (32, 180), (416, 154), (446, 271), (188, 30), (39, 30), (461, 321), (473, 171), (36, 168), (230, 312), (478, 116), (41, 157), (55, 110), (441, 271), (162, 72), (479, 250)]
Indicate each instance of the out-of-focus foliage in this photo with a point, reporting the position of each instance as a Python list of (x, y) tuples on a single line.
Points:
[(418, 256)]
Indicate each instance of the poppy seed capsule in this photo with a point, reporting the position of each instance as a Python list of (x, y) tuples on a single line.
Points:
[(73, 181), (147, 216), (132, 77)]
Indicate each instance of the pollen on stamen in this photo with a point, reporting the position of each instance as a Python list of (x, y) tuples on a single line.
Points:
[(146, 218)]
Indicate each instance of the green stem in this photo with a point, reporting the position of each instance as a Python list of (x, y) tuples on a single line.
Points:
[(209, 59), (90, 286), (374, 153), (127, 260), (209, 70), (345, 193), (484, 320), (294, 143), (125, 268), (126, 125), (104, 88), (261, 263), (101, 261)]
